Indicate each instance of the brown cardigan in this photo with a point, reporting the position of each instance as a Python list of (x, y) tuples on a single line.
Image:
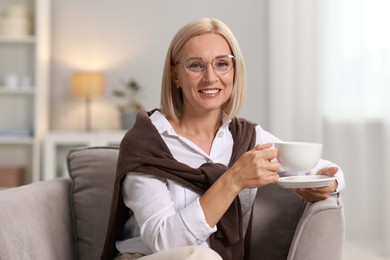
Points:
[(143, 150)]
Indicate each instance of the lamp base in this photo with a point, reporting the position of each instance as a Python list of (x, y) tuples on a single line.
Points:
[(88, 121)]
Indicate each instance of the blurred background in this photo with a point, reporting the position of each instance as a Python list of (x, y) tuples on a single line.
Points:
[(318, 70)]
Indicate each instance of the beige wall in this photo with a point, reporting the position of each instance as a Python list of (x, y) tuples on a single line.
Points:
[(129, 39)]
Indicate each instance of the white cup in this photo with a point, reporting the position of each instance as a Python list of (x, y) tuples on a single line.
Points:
[(298, 157)]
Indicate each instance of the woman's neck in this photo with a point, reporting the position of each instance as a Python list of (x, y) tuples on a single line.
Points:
[(201, 130)]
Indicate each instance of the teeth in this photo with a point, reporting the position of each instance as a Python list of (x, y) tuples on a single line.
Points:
[(210, 91)]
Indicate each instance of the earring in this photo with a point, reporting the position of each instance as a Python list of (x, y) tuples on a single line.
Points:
[(177, 86)]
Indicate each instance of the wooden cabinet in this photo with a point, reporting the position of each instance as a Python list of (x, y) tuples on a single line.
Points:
[(24, 67)]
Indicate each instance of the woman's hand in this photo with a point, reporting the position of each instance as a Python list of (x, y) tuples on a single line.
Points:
[(322, 193), (255, 168)]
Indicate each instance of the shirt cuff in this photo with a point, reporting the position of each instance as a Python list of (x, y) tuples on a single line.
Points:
[(339, 175), (194, 219), (340, 181)]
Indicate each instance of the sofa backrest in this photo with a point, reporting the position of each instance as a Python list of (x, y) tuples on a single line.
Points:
[(92, 171), (35, 221)]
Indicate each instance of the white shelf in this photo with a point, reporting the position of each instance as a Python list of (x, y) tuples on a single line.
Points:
[(58, 144), (17, 91), (25, 107), (17, 39), (17, 140)]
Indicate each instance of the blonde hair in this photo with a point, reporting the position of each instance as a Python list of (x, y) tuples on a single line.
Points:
[(171, 96)]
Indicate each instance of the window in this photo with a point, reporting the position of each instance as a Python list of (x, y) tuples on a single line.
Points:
[(356, 60)]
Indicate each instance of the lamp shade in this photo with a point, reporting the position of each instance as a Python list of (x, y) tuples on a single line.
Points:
[(87, 84)]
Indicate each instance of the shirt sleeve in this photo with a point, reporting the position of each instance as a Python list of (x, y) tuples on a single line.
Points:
[(339, 175), (162, 225)]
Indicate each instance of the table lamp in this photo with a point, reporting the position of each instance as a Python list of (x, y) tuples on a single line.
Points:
[(87, 85)]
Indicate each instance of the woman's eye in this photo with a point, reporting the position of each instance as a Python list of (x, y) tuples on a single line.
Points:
[(195, 65), (222, 64)]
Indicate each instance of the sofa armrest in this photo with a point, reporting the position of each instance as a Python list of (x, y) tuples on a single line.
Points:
[(35, 221), (320, 231)]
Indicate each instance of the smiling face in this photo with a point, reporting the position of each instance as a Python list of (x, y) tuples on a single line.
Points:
[(209, 90)]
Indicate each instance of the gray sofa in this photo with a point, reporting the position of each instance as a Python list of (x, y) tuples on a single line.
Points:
[(66, 218)]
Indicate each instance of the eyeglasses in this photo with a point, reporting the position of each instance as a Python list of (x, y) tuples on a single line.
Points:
[(221, 64)]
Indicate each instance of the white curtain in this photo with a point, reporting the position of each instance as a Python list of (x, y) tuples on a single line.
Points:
[(295, 100), (330, 81)]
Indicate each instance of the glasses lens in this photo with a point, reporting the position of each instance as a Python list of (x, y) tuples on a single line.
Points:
[(195, 65), (223, 64)]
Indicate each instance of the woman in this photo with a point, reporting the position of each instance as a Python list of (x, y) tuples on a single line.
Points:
[(190, 171)]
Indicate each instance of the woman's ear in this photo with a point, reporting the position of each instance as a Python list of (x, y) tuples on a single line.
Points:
[(174, 75)]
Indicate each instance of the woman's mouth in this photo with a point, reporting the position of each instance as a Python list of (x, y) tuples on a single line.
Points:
[(210, 91)]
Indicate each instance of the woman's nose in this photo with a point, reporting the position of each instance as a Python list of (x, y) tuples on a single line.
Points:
[(209, 73)]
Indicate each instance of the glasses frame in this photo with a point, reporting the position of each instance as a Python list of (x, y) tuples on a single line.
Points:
[(197, 74)]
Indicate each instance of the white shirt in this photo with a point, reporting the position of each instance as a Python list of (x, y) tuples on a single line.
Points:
[(168, 215)]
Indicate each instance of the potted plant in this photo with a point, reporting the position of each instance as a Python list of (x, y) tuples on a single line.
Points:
[(128, 104)]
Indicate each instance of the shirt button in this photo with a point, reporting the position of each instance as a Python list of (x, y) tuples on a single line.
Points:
[(220, 134), (209, 161)]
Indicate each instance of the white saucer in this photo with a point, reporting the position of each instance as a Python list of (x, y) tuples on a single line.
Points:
[(305, 181)]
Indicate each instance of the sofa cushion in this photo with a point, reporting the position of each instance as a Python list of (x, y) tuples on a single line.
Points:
[(92, 172)]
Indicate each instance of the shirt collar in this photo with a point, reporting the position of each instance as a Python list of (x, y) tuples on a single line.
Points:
[(162, 124)]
